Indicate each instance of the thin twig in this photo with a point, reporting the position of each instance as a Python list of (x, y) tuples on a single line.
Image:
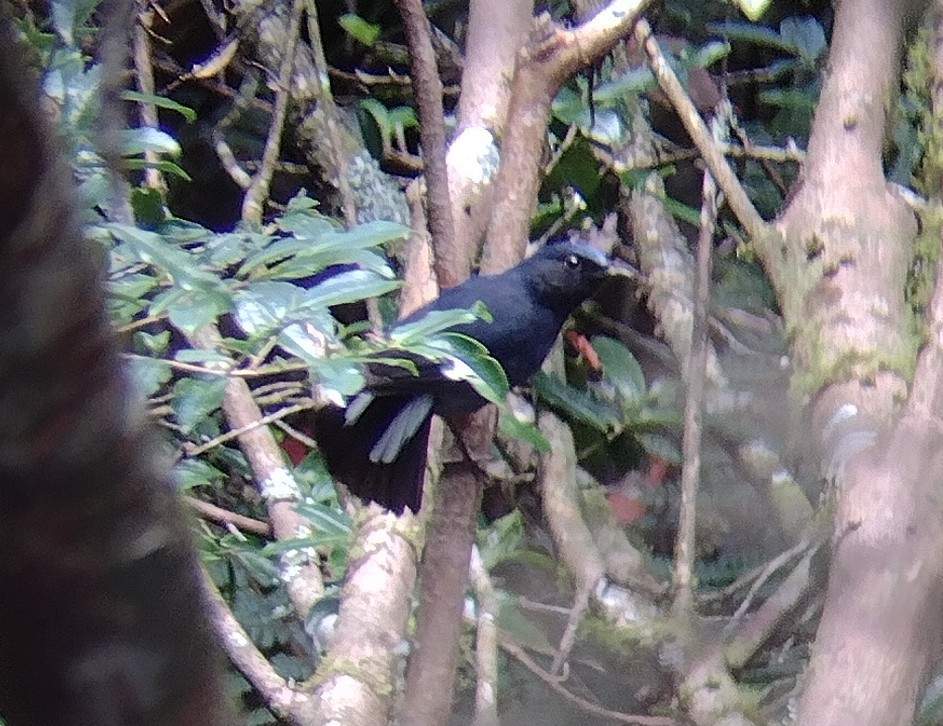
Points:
[(144, 70), (693, 123), (554, 683), (486, 644), (451, 264), (694, 405), (234, 433), (252, 205), (574, 618), (224, 516), (767, 571), (284, 701)]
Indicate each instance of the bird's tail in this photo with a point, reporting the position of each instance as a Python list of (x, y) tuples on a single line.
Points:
[(358, 453)]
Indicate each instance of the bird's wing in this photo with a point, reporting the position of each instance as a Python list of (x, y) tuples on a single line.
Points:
[(381, 456)]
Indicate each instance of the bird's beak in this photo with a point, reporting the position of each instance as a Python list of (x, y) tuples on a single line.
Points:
[(621, 268)]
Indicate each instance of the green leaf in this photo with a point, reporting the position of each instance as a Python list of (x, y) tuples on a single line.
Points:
[(153, 249), (754, 9), (194, 399), (327, 520), (263, 308), (404, 116), (317, 540), (168, 167), (805, 36), (191, 473), (526, 431), (708, 54), (631, 83), (201, 356), (350, 286), (148, 375), (259, 567), (471, 362), (435, 322), (161, 102), (317, 244), (575, 403), (620, 367), (381, 117), (191, 309), (682, 211), (156, 344), (359, 29), (338, 374), (750, 33), (138, 140)]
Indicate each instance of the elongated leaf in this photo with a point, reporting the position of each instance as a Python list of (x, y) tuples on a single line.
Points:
[(620, 367), (326, 519), (265, 307), (575, 403), (437, 321), (153, 249), (348, 287), (359, 29), (467, 360), (161, 102), (137, 141)]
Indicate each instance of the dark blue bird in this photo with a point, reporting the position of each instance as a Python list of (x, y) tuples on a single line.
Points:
[(377, 446)]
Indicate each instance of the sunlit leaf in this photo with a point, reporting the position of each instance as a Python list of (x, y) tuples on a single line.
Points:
[(437, 321), (138, 140), (326, 520), (359, 29), (754, 9)]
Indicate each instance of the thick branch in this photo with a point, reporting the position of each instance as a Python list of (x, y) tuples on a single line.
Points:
[(550, 58)]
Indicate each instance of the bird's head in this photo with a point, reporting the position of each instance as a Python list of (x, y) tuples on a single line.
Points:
[(564, 273)]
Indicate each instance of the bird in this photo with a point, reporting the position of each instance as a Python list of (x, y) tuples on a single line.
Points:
[(376, 445)]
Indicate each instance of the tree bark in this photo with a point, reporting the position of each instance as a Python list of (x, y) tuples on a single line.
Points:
[(100, 615)]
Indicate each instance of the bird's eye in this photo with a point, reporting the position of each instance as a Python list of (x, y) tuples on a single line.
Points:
[(572, 261)]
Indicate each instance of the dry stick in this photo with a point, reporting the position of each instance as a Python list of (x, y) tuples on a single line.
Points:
[(766, 572), (486, 645), (250, 426), (451, 265), (451, 529), (224, 516), (575, 542), (693, 123), (802, 584), (144, 69), (554, 683), (694, 406), (325, 96), (296, 707), (252, 205), (300, 571), (568, 640)]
